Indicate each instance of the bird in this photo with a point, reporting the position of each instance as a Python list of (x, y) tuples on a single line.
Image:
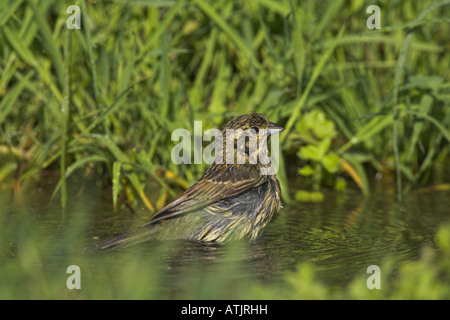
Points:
[(231, 201)]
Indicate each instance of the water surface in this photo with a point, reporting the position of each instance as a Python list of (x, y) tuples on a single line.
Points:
[(340, 237)]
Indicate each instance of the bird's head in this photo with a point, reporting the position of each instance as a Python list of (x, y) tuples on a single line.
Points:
[(245, 138), (254, 121)]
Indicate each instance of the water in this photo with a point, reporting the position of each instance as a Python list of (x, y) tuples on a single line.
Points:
[(339, 237)]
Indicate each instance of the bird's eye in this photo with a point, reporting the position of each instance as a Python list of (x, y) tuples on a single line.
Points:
[(255, 128)]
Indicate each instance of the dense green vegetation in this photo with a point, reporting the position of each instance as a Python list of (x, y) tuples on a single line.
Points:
[(104, 99)]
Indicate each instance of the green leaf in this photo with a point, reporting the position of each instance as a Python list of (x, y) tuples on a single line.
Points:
[(340, 184), (309, 152), (306, 171), (315, 125), (315, 152), (307, 196), (331, 163), (323, 147)]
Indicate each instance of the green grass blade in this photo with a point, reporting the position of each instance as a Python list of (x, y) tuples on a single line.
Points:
[(301, 102), (81, 163), (399, 78), (48, 41), (120, 156), (87, 34), (7, 11), (10, 98), (165, 74), (439, 126), (234, 37), (117, 166), (65, 113), (425, 106), (359, 168), (372, 128), (103, 115)]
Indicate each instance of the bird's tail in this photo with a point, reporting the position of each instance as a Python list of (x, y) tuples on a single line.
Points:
[(117, 242), (125, 240)]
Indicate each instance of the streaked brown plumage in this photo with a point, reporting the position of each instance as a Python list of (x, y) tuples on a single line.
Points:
[(230, 201)]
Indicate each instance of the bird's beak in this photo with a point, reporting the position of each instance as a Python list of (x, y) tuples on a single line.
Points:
[(274, 128)]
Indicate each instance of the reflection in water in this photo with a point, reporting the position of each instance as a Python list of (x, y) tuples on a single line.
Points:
[(341, 237)]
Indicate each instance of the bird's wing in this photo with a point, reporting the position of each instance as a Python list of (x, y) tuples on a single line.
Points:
[(218, 183)]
